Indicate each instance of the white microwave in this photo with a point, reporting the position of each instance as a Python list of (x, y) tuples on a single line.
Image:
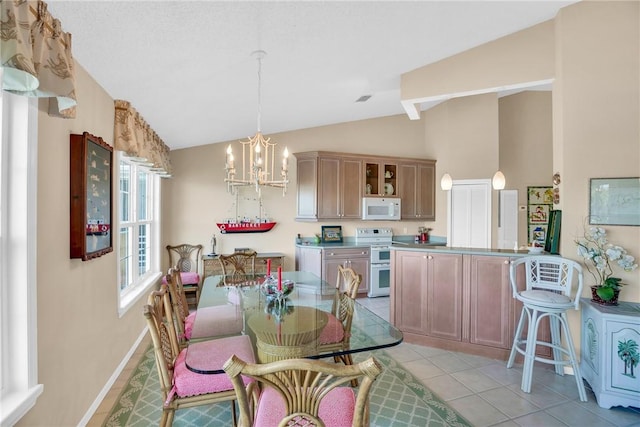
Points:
[(381, 208)]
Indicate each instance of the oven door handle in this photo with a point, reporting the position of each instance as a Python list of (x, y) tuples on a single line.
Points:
[(377, 265)]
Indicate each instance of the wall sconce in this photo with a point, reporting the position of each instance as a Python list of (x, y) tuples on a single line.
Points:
[(446, 182), (498, 181)]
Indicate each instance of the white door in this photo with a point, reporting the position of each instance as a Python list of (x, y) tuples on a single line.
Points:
[(469, 222)]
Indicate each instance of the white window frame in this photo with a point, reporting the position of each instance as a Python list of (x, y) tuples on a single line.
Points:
[(19, 388), (141, 286)]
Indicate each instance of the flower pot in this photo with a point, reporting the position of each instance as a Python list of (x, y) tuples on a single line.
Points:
[(595, 298)]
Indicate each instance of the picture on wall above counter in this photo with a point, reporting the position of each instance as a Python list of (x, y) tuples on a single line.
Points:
[(539, 205)]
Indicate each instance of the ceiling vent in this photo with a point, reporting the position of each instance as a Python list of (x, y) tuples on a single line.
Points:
[(363, 98)]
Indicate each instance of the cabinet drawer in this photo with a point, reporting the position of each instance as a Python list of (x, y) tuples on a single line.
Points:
[(346, 253)]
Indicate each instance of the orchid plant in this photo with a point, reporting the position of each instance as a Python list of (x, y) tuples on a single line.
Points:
[(600, 257)]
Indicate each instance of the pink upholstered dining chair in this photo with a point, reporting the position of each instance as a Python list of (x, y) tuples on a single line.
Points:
[(336, 334), (186, 258), (180, 386), (304, 392)]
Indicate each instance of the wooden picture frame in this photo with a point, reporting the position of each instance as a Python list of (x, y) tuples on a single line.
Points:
[(552, 242), (331, 234), (614, 201), (91, 166)]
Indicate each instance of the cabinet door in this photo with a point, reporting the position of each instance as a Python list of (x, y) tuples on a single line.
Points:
[(425, 192), (310, 260), (407, 190), (307, 181), (444, 296), (490, 302), (351, 189), (361, 267), (409, 290), (328, 187), (261, 263)]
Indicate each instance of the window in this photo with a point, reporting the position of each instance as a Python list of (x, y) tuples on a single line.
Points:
[(19, 386), (139, 231)]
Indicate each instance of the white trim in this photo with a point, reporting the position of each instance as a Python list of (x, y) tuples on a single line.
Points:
[(484, 184), (19, 311), (105, 390)]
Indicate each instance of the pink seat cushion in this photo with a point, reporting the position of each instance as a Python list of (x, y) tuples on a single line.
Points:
[(209, 355), (188, 325), (333, 332), (336, 409), (190, 278)]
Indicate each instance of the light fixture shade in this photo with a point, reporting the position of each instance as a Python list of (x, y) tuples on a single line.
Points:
[(498, 182), (446, 182)]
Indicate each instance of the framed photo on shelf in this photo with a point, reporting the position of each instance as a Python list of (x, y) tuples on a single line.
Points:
[(331, 234), (91, 197), (614, 201)]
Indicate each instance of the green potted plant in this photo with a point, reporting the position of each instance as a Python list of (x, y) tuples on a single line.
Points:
[(600, 257)]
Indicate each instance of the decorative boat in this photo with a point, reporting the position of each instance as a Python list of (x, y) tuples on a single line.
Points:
[(245, 227)]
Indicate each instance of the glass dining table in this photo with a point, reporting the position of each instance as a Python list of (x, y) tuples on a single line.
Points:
[(288, 328)]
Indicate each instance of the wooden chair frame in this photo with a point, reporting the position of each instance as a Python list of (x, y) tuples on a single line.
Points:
[(235, 265), (179, 304), (159, 317), (187, 258), (302, 383)]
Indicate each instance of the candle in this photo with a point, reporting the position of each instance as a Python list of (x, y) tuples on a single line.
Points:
[(268, 267), (279, 278)]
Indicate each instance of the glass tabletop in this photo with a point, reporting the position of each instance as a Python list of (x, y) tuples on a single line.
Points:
[(279, 330)]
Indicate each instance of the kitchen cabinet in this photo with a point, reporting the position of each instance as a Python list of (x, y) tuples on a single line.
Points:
[(211, 264), (427, 294), (460, 302), (357, 259), (309, 258), (381, 177), (329, 186), (609, 352), (416, 188)]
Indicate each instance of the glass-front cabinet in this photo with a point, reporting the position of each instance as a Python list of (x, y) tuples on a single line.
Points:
[(380, 178)]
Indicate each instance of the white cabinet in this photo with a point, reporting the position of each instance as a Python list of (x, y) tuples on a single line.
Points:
[(610, 352)]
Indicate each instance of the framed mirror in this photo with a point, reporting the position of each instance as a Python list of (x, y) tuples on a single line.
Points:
[(91, 196)]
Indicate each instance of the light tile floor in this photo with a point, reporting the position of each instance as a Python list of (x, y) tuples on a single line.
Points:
[(486, 393)]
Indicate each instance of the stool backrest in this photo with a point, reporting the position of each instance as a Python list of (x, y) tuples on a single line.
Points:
[(550, 273)]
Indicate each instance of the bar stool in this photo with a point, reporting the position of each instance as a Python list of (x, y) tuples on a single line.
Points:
[(547, 294)]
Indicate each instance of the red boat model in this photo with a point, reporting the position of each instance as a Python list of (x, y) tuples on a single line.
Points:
[(245, 227)]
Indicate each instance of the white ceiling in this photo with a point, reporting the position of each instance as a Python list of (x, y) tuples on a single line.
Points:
[(187, 67)]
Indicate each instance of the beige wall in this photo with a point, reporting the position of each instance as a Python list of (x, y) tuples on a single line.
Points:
[(526, 146), (81, 339)]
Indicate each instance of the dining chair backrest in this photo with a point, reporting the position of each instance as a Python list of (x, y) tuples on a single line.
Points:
[(348, 281), (237, 265), (185, 257), (292, 390), (179, 304), (550, 273)]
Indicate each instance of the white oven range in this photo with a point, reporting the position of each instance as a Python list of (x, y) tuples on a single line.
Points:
[(380, 264)]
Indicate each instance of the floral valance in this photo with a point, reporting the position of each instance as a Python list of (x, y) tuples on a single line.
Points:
[(36, 56), (138, 141)]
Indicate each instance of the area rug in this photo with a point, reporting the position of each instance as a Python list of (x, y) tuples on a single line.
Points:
[(397, 399)]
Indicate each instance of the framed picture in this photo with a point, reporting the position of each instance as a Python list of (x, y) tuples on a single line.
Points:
[(552, 242), (614, 201), (539, 205), (331, 234), (91, 197)]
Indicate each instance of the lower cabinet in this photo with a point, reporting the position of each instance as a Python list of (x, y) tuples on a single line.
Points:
[(609, 359), (455, 301), (211, 264), (324, 262)]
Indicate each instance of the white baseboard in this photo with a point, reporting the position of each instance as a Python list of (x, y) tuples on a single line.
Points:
[(96, 403)]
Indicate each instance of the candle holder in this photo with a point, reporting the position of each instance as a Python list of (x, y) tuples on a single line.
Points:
[(270, 289)]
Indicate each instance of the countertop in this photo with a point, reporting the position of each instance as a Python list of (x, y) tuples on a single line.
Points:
[(455, 250)]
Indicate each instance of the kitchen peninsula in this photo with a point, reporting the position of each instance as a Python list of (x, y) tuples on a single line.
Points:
[(455, 298)]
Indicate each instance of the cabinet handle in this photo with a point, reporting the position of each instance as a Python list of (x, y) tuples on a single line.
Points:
[(430, 257), (506, 261)]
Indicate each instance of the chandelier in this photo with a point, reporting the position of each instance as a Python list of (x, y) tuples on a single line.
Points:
[(258, 156)]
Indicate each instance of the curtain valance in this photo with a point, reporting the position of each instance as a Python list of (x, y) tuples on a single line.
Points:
[(36, 56), (138, 141)]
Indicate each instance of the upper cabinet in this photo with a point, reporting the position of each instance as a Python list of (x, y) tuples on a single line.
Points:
[(416, 188), (331, 185)]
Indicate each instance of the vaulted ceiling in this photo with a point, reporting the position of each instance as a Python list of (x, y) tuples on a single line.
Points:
[(188, 68)]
